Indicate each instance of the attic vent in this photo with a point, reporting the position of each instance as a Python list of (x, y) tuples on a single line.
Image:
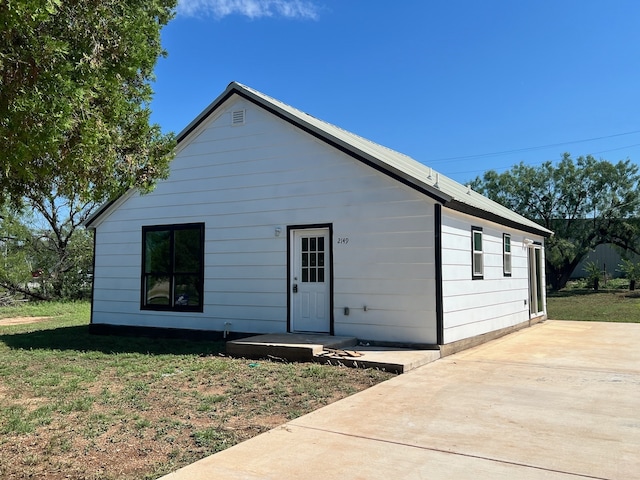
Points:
[(237, 117)]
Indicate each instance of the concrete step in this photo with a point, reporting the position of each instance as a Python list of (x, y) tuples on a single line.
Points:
[(296, 347), (395, 360)]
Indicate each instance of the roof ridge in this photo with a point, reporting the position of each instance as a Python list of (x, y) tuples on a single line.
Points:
[(333, 125)]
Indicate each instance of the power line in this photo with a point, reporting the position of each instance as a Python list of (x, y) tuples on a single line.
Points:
[(537, 163), (529, 149)]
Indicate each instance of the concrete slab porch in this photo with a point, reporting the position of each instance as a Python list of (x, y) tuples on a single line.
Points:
[(335, 350)]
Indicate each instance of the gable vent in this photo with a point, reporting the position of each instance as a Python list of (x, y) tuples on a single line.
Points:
[(237, 117)]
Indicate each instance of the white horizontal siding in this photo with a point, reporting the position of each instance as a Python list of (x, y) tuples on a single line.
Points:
[(473, 307), (242, 183)]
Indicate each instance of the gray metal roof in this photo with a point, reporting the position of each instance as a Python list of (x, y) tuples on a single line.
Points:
[(395, 164), (402, 167)]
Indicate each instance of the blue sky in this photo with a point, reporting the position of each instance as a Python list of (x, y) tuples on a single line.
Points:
[(463, 86)]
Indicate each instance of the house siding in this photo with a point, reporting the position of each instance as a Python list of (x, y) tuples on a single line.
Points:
[(474, 307), (243, 182)]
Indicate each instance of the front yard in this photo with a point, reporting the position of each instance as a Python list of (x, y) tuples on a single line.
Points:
[(80, 406)]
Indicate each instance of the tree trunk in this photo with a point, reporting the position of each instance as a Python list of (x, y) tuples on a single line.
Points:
[(632, 284), (24, 291)]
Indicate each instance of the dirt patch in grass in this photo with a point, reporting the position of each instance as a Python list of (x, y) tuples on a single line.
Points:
[(80, 406), (22, 320)]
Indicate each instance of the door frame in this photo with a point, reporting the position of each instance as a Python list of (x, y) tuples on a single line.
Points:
[(290, 247), (535, 279)]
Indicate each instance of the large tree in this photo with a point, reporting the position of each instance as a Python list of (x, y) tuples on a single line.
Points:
[(45, 251), (586, 202), (74, 96)]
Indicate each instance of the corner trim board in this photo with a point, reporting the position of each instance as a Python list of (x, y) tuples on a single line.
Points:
[(438, 261)]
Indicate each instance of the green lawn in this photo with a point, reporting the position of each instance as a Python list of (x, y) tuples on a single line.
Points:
[(81, 406), (604, 306)]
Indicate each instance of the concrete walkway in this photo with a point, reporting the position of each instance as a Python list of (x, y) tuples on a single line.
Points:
[(559, 400)]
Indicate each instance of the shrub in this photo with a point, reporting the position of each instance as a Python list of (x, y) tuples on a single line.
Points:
[(593, 275), (631, 271)]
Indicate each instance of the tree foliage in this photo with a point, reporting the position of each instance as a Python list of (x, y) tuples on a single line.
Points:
[(586, 202), (47, 254), (74, 93), (16, 263)]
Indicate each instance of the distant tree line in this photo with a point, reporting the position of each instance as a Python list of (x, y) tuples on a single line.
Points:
[(586, 202)]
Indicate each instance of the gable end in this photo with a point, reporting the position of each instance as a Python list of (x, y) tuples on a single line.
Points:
[(398, 176)]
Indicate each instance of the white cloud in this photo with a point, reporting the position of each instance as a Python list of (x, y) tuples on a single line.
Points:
[(250, 8)]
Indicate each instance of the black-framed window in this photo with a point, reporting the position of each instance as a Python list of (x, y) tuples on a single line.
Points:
[(477, 255), (506, 254), (173, 267)]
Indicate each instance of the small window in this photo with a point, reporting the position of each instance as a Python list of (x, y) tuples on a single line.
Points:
[(173, 267), (312, 252), (506, 254), (477, 261)]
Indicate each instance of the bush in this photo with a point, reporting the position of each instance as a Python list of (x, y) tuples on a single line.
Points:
[(593, 275), (631, 271)]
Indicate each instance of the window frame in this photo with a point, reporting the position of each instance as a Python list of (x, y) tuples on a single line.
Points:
[(507, 257), (477, 274), (172, 273)]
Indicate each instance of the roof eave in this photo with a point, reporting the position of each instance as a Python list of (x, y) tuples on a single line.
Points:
[(533, 228)]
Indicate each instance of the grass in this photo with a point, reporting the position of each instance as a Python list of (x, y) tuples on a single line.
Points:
[(612, 303), (75, 405)]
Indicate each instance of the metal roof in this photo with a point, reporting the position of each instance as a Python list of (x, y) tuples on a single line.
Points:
[(395, 164)]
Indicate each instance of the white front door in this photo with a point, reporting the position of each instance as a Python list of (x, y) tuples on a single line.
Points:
[(310, 276)]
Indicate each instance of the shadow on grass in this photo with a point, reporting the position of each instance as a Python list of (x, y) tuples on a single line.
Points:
[(78, 338)]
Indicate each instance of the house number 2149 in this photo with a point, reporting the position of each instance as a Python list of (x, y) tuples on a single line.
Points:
[(343, 240)]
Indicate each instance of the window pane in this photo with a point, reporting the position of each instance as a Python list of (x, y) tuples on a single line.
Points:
[(477, 264), (477, 241), (507, 264), (173, 267), (305, 244), (157, 256), (312, 244), (187, 290), (187, 250), (321, 259), (321, 275), (305, 259), (321, 244), (507, 244), (312, 274), (157, 290), (305, 275), (313, 259)]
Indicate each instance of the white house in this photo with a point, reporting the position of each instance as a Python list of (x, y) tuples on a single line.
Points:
[(274, 221)]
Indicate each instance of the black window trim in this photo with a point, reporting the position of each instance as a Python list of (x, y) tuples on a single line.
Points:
[(172, 228), (475, 276), (505, 254)]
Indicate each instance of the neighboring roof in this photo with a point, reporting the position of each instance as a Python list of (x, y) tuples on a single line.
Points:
[(397, 165)]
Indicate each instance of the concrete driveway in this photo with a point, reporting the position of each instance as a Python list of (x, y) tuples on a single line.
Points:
[(559, 400)]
